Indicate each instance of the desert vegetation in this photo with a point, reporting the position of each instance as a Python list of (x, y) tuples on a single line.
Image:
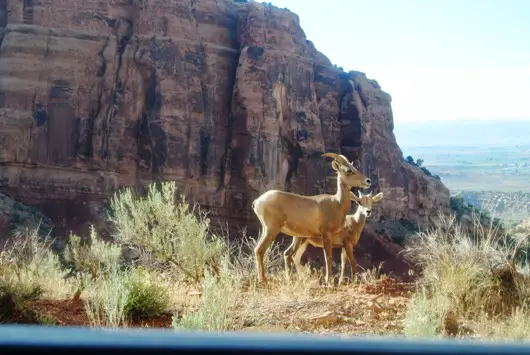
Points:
[(164, 267), (418, 163), (481, 281)]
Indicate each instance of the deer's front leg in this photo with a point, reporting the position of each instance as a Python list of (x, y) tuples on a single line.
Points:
[(343, 262), (348, 248)]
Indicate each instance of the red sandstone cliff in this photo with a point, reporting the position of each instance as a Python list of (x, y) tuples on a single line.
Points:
[(228, 99)]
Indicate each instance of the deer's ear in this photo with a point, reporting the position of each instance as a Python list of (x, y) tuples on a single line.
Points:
[(378, 197), (335, 165), (354, 198)]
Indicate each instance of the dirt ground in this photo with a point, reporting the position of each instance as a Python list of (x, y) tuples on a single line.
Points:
[(374, 309), (72, 313)]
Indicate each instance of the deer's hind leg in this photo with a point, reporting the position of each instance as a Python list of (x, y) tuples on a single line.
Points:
[(289, 252), (268, 234), (298, 253)]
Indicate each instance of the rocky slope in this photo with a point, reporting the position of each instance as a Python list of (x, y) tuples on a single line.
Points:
[(17, 217), (225, 97)]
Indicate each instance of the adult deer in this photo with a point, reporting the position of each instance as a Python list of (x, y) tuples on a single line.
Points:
[(302, 216), (348, 239)]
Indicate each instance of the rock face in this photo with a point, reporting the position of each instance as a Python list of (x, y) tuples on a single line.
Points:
[(225, 97)]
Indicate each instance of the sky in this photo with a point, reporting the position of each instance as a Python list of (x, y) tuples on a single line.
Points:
[(439, 60)]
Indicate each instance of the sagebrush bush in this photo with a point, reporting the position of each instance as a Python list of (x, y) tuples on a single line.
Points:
[(147, 299), (219, 295), (425, 314), (90, 259), (163, 224), (114, 294), (106, 297), (93, 256)]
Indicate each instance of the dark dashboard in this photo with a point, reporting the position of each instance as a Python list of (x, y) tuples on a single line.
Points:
[(61, 340)]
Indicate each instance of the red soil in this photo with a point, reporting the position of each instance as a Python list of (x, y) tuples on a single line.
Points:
[(72, 313)]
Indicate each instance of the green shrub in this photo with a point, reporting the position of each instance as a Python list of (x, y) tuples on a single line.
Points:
[(164, 225), (45, 320), (14, 297), (409, 159), (147, 299)]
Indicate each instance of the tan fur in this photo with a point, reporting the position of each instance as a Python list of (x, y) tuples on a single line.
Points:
[(319, 216), (348, 239)]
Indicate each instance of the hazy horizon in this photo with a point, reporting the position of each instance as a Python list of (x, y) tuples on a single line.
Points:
[(463, 133), (440, 61)]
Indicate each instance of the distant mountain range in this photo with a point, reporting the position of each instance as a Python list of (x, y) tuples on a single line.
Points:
[(470, 133)]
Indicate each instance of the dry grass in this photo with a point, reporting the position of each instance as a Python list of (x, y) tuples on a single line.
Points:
[(476, 277), (29, 270), (515, 326), (371, 276), (28, 264)]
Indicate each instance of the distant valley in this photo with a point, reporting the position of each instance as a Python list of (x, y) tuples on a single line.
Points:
[(488, 163)]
